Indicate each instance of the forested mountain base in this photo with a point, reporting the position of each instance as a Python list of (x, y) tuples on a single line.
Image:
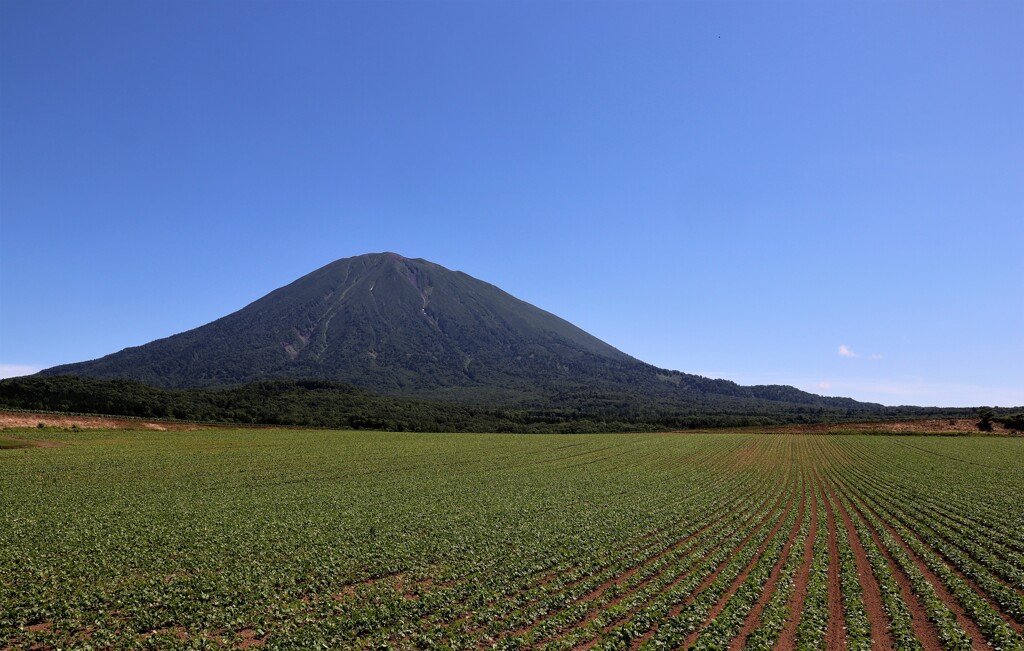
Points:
[(319, 403)]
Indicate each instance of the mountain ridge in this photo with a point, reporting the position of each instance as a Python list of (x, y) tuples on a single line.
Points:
[(410, 327)]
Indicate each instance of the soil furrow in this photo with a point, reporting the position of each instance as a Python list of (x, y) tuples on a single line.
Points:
[(590, 643), (622, 578), (754, 617), (738, 581), (580, 580), (835, 638), (881, 640), (924, 630), (787, 638), (942, 519), (1010, 621), (675, 610), (596, 593), (965, 621)]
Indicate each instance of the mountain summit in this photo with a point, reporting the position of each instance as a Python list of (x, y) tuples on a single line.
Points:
[(403, 326)]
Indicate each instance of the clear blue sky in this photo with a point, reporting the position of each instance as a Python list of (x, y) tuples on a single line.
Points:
[(739, 190)]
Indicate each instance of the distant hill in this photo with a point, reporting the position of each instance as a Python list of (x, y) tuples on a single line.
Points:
[(412, 328)]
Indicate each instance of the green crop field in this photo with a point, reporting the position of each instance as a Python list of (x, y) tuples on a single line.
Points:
[(316, 539)]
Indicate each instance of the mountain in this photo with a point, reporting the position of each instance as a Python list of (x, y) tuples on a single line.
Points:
[(409, 327)]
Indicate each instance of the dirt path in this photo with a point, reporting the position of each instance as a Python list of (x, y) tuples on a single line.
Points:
[(881, 640), (753, 620), (924, 630), (11, 419), (835, 637), (738, 581), (618, 581), (787, 638), (738, 494), (1010, 621), (708, 580), (977, 637)]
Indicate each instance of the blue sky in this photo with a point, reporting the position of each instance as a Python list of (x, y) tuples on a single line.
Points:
[(829, 195)]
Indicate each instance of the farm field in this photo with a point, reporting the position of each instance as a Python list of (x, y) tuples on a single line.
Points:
[(314, 539)]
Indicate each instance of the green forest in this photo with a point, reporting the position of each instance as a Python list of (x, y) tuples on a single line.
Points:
[(321, 403)]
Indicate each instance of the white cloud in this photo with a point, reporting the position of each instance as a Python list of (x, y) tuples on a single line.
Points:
[(824, 386), (17, 370), (844, 351)]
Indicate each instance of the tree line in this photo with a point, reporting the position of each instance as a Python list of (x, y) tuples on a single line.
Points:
[(322, 403)]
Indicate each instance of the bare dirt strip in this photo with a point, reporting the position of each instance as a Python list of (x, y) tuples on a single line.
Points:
[(881, 640), (753, 620), (715, 463), (589, 644), (720, 606), (977, 637), (714, 575), (787, 638), (835, 637), (924, 630), (9, 419), (882, 489), (913, 426), (622, 578), (1010, 621)]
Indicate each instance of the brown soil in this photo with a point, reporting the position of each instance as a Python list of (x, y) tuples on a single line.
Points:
[(881, 640), (754, 616), (612, 581), (953, 566), (547, 578), (637, 643), (397, 580), (11, 419), (787, 637), (622, 578), (962, 618), (723, 535), (836, 635), (177, 631), (1010, 621), (591, 616), (249, 639), (531, 587), (738, 581), (924, 630), (32, 443)]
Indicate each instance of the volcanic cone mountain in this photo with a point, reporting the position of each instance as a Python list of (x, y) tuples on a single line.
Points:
[(410, 327)]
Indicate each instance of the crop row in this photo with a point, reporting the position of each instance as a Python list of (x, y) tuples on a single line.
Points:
[(222, 539)]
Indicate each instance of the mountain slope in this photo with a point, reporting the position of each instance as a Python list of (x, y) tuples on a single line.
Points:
[(410, 327)]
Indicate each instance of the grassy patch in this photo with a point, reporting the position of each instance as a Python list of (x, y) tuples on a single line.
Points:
[(11, 444)]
